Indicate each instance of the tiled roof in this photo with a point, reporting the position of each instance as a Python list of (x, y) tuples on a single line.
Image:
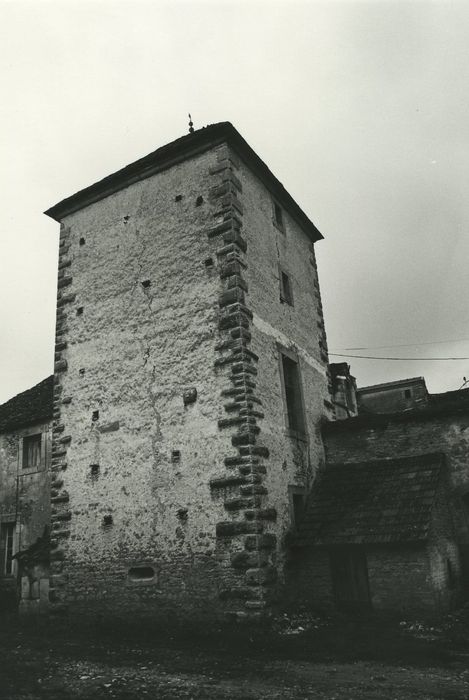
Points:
[(381, 501), (32, 406)]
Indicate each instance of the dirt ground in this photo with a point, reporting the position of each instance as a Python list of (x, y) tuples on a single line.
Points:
[(302, 657)]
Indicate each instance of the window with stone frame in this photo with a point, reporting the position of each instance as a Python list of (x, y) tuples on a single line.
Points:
[(292, 392), (32, 451), (286, 294)]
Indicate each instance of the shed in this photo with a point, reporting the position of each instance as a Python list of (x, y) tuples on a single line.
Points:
[(377, 534)]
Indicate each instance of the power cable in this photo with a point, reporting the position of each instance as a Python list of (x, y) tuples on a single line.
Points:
[(402, 359), (406, 345)]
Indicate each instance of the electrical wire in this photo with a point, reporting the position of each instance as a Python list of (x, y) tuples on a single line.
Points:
[(402, 359), (405, 345)]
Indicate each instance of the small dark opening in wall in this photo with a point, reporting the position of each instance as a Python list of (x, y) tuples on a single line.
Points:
[(94, 471), (107, 521), (278, 215), (208, 262), (81, 371), (178, 198), (199, 201), (286, 295), (82, 241), (146, 283), (95, 416), (408, 393), (141, 573), (80, 311), (176, 456)]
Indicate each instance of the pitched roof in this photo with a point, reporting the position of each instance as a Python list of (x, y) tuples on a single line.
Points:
[(177, 151), (32, 406), (381, 501)]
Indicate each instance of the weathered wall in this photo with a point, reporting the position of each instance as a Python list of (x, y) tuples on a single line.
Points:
[(400, 579), (131, 354), (167, 287), (293, 459), (24, 493), (393, 398)]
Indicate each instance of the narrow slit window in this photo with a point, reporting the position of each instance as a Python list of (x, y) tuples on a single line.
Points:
[(32, 451), (278, 217), (7, 540), (286, 295), (298, 502), (292, 392)]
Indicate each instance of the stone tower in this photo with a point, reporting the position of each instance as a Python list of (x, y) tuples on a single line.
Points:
[(190, 381)]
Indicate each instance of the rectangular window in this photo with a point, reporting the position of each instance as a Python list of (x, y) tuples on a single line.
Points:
[(278, 217), (297, 505), (286, 295), (292, 394), (7, 536), (31, 451)]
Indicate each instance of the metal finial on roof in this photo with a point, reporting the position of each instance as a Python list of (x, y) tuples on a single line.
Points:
[(191, 125)]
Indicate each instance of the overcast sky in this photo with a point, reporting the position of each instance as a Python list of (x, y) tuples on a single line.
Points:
[(359, 108)]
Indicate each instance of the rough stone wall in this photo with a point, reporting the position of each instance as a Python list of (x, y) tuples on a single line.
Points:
[(138, 398), (400, 579), (443, 553), (24, 493), (390, 399), (171, 452), (293, 459)]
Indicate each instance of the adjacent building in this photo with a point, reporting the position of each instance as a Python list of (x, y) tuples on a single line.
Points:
[(25, 452)]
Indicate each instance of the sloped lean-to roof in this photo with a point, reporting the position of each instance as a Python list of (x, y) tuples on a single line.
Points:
[(378, 502), (32, 406)]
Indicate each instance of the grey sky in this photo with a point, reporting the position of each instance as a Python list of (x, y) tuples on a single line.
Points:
[(359, 108)]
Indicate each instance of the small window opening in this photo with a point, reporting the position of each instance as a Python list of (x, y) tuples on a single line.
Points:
[(278, 216), (298, 503), (107, 521), (82, 241), (293, 399), (178, 198), (94, 471), (175, 456), (31, 451), (286, 295), (199, 201), (141, 573), (95, 416), (7, 539), (408, 393), (208, 262), (146, 284), (80, 311)]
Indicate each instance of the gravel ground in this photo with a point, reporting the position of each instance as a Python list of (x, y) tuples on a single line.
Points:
[(301, 658)]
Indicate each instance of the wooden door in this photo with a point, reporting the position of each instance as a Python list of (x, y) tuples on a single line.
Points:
[(350, 578)]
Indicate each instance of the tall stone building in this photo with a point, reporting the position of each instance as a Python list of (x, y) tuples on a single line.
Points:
[(190, 383)]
